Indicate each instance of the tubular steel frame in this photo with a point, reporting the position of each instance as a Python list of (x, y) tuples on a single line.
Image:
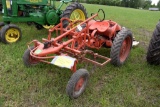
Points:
[(74, 46)]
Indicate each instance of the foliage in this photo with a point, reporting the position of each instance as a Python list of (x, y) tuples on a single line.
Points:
[(124, 3), (158, 5)]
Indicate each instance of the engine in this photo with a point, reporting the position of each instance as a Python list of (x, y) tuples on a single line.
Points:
[(38, 9)]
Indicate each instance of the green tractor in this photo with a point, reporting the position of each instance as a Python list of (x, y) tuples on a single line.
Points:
[(42, 13)]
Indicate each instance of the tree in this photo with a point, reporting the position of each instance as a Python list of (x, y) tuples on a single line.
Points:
[(103, 2), (124, 3), (147, 4), (158, 4)]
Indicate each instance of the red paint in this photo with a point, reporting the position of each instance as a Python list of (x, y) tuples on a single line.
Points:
[(94, 34)]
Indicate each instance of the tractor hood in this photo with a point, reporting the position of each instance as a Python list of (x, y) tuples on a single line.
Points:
[(33, 2)]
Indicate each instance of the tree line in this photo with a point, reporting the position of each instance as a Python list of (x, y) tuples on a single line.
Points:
[(145, 4)]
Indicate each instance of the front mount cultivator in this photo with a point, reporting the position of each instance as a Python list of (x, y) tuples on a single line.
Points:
[(68, 48)]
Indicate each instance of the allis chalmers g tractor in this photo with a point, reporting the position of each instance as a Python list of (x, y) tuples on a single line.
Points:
[(68, 48), (153, 54), (42, 13)]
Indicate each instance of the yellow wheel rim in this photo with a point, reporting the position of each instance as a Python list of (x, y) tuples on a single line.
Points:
[(48, 27), (12, 35), (77, 14)]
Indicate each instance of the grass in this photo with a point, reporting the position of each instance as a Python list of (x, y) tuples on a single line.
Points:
[(135, 84)]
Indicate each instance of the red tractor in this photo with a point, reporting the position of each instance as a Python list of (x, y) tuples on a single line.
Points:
[(68, 48)]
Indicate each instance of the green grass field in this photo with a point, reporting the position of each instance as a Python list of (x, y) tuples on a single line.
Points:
[(135, 84)]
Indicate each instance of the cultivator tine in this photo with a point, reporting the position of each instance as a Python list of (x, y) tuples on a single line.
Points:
[(90, 67), (93, 68), (95, 55)]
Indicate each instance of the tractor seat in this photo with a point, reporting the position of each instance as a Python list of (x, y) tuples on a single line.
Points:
[(100, 26)]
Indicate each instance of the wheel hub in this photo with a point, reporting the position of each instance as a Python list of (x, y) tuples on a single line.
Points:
[(12, 35), (125, 48), (79, 84), (77, 15)]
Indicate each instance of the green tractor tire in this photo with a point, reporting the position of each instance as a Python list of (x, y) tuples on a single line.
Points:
[(10, 33), (74, 11), (1, 25)]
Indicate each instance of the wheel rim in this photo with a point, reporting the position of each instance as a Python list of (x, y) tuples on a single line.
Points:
[(125, 48), (79, 86), (77, 15), (12, 35), (32, 60)]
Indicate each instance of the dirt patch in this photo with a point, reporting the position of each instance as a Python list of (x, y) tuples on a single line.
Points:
[(143, 36), (145, 32), (144, 45)]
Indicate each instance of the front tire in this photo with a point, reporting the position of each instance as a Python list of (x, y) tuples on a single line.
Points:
[(121, 47), (10, 34), (1, 25), (28, 60), (77, 83), (39, 27), (74, 12), (153, 53)]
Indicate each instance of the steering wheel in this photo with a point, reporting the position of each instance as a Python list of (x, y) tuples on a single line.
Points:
[(100, 19)]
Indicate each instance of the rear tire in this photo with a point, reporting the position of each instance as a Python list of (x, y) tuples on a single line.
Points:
[(77, 83), (153, 53), (10, 33), (71, 10), (121, 47)]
